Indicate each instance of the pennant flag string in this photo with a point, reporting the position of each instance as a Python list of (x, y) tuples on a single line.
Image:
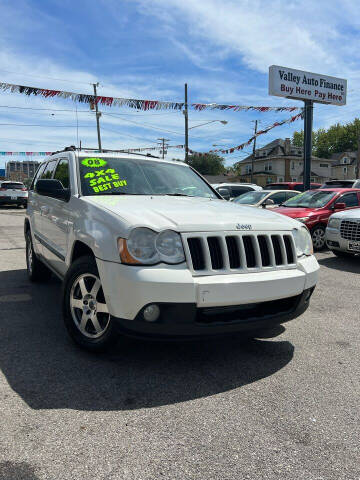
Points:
[(260, 132), (22, 154), (131, 102)]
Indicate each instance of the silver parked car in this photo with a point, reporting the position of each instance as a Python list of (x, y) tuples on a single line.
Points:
[(265, 198), (343, 233)]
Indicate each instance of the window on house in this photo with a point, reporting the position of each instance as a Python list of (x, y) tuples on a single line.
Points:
[(345, 169), (312, 179), (294, 179), (292, 165), (248, 169), (280, 179), (345, 160), (324, 165), (268, 167)]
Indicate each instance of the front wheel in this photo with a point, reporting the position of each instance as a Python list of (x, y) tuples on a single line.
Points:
[(85, 311), (36, 270), (318, 237)]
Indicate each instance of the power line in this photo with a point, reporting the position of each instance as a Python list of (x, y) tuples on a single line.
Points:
[(43, 76), (35, 125), (128, 135), (88, 111)]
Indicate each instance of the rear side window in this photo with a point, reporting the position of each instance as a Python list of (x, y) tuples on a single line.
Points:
[(49, 170), (278, 198), (236, 191), (62, 173), (291, 194)]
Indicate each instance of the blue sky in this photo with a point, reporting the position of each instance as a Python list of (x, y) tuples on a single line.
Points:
[(149, 49)]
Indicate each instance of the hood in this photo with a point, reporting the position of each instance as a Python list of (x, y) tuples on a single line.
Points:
[(352, 214), (189, 214), (295, 212)]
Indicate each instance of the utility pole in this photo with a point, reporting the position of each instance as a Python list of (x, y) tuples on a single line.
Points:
[(253, 154), (308, 120), (357, 165), (98, 115), (185, 112), (163, 140)]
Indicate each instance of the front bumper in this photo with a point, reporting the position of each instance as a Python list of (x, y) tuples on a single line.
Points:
[(187, 321), (188, 304), (335, 242)]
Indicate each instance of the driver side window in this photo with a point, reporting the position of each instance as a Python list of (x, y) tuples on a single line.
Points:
[(350, 200)]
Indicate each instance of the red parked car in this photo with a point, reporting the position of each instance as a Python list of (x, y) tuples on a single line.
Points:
[(314, 207), (290, 186)]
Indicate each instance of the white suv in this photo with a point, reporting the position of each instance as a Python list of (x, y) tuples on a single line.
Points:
[(13, 193), (148, 247)]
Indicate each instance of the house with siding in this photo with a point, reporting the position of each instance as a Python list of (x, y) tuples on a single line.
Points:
[(280, 161), (344, 166)]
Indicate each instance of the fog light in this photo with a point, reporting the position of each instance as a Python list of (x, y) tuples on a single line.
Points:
[(151, 313)]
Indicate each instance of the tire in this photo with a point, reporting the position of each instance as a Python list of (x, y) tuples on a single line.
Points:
[(318, 237), (83, 296), (36, 270), (341, 254)]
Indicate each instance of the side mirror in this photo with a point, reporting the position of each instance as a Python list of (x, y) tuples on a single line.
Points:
[(224, 192), (340, 206), (267, 203), (52, 188)]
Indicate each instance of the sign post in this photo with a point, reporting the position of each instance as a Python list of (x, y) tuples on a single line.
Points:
[(309, 87)]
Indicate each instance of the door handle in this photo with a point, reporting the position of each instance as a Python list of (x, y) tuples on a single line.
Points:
[(44, 210)]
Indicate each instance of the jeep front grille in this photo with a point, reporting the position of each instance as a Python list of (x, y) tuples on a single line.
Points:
[(233, 252), (350, 230)]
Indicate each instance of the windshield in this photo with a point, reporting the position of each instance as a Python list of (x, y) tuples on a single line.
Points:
[(310, 199), (250, 198), (133, 176)]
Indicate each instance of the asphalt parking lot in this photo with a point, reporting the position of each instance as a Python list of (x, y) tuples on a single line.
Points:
[(282, 408)]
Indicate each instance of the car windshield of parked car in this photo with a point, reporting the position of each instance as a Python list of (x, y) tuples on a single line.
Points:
[(133, 176), (250, 198), (310, 199)]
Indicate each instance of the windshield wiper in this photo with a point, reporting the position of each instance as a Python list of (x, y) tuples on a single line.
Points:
[(177, 195), (119, 193)]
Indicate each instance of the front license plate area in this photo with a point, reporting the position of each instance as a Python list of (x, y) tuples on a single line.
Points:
[(13, 197), (354, 246)]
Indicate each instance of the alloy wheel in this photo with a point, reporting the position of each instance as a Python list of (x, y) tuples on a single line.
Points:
[(318, 238), (88, 306)]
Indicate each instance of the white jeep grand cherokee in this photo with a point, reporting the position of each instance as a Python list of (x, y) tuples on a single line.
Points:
[(148, 247)]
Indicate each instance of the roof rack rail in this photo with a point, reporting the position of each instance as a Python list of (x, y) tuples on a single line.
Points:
[(72, 148)]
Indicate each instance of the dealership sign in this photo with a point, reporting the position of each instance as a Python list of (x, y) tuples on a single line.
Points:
[(300, 85)]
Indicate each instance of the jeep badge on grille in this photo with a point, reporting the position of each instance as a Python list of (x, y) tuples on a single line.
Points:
[(240, 226)]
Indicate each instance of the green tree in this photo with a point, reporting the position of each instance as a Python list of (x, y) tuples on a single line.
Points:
[(337, 138), (207, 164)]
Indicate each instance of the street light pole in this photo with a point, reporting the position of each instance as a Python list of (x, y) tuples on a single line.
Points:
[(98, 115), (253, 154), (186, 124)]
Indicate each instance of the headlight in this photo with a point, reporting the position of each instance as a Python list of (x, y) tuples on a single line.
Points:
[(141, 245), (334, 223), (146, 247), (302, 219), (303, 242), (169, 246)]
